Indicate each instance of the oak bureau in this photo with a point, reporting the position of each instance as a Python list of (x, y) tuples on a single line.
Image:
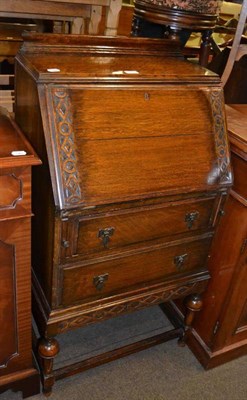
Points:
[(135, 172)]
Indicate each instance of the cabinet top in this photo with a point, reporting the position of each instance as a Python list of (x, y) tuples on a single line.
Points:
[(15, 150), (77, 58)]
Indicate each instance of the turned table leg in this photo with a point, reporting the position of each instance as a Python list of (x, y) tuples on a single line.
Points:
[(48, 348), (193, 304), (205, 48), (112, 17), (173, 34), (78, 26), (95, 18), (135, 28)]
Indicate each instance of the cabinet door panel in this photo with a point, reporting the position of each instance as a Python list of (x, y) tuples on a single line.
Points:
[(8, 337), (234, 319), (242, 323), (15, 295)]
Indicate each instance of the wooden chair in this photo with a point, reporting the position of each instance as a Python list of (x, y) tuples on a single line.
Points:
[(237, 50), (10, 41), (77, 12), (81, 14), (230, 60), (176, 20)]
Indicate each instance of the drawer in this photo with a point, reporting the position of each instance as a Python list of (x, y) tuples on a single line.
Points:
[(110, 276), (84, 236)]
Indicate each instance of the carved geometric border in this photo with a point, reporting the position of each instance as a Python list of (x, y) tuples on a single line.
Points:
[(130, 305), (65, 140), (220, 130)]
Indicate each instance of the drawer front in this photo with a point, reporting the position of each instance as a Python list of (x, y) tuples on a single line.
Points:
[(82, 236), (114, 275)]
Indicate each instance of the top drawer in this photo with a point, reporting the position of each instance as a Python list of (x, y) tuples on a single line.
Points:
[(86, 235)]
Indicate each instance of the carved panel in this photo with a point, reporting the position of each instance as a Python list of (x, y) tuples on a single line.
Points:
[(130, 305), (66, 146), (221, 142), (8, 317), (10, 191)]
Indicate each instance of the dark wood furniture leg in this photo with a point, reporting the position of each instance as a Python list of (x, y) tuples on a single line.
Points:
[(173, 34), (135, 29), (193, 304), (205, 48), (48, 348)]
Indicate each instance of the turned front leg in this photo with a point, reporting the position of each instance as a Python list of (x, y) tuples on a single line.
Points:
[(135, 28), (48, 348), (205, 48), (193, 304), (112, 17)]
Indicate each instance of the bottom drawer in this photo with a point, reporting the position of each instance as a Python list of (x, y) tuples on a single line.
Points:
[(105, 278)]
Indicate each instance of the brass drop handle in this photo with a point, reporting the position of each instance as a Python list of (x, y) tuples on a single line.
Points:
[(190, 218), (105, 235), (100, 280), (179, 261)]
